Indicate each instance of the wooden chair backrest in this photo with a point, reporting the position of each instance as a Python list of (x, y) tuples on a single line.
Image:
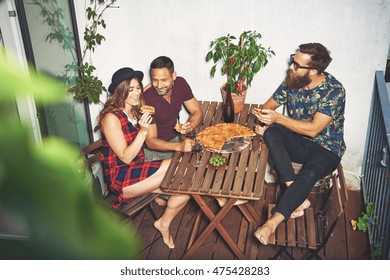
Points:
[(340, 187), (92, 154)]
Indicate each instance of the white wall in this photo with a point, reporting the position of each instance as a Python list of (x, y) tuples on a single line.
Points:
[(357, 32)]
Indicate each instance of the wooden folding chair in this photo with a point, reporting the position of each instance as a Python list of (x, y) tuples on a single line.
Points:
[(311, 231), (92, 154)]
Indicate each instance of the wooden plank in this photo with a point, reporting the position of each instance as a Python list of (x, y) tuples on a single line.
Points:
[(311, 233), (281, 234), (232, 222), (183, 232), (241, 173), (199, 175), (301, 231), (219, 178), (147, 234), (229, 174), (354, 210), (166, 182), (259, 183), (339, 231), (242, 239), (252, 162), (271, 239), (291, 233), (180, 172), (206, 250)]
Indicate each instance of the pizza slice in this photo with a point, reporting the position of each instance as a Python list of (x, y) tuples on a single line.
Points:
[(214, 137), (180, 128), (146, 108)]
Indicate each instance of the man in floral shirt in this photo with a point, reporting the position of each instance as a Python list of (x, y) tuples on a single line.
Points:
[(310, 134)]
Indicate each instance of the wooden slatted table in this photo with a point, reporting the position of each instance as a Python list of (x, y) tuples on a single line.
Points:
[(241, 178)]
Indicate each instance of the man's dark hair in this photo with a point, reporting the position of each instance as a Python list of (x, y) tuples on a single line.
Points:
[(320, 56), (163, 62)]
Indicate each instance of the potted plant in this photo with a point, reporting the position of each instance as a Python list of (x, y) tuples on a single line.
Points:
[(240, 62)]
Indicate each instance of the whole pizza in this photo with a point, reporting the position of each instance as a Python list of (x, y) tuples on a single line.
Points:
[(214, 137)]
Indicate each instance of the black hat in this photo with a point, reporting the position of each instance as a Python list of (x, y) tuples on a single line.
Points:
[(123, 74)]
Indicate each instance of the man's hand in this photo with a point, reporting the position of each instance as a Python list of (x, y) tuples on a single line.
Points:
[(187, 127), (260, 129), (266, 116), (186, 145)]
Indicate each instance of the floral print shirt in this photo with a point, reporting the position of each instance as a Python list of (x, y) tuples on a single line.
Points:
[(327, 98)]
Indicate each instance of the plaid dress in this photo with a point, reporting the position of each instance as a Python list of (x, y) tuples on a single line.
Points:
[(118, 174)]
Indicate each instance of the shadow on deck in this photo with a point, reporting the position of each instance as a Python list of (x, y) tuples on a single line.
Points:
[(343, 245)]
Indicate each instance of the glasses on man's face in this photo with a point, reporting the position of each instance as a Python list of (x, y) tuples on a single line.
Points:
[(296, 64)]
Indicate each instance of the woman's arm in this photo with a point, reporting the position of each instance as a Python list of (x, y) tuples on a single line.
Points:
[(116, 139)]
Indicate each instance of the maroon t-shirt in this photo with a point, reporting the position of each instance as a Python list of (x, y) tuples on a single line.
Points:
[(166, 114)]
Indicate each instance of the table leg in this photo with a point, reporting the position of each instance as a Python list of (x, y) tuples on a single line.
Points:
[(250, 213), (215, 223)]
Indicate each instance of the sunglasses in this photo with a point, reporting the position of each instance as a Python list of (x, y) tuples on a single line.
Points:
[(296, 64)]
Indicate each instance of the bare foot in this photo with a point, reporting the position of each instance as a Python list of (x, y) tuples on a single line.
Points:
[(222, 201), (240, 201), (160, 201), (305, 204), (263, 233), (299, 211), (167, 238)]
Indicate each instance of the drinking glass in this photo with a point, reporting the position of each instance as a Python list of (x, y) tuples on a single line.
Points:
[(191, 134), (197, 148)]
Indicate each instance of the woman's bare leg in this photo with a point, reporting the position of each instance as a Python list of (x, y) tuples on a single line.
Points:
[(223, 200), (150, 184), (174, 205)]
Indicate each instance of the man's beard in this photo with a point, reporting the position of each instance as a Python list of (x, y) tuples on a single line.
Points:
[(165, 92), (294, 83)]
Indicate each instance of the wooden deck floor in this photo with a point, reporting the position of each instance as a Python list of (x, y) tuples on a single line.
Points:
[(343, 245)]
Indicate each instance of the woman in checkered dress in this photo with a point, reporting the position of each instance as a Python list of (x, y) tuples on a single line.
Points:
[(124, 131)]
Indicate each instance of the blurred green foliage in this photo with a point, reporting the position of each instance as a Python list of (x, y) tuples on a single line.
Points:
[(46, 186)]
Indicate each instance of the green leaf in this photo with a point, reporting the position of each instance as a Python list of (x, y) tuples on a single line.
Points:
[(256, 66), (212, 72), (19, 83), (209, 56)]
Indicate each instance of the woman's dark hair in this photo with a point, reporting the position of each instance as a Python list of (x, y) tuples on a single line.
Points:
[(163, 62), (320, 56), (116, 102)]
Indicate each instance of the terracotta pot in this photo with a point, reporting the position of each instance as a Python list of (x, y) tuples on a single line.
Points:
[(238, 100)]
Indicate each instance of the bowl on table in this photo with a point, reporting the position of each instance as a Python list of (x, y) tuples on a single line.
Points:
[(217, 161)]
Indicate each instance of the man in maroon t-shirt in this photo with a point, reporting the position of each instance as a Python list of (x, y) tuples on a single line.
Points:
[(167, 95)]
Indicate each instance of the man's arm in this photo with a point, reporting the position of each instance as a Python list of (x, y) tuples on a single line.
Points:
[(308, 128), (271, 104), (155, 143), (196, 114)]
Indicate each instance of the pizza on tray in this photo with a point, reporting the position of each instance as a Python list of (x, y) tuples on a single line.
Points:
[(213, 137)]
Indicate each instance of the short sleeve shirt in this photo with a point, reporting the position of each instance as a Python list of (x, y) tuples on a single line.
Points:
[(167, 113), (329, 99)]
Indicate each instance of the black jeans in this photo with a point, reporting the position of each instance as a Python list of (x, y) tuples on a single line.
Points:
[(285, 147)]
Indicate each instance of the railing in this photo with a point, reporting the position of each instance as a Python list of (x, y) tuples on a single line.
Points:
[(375, 172)]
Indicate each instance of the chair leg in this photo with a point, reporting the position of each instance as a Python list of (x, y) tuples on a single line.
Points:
[(325, 199), (314, 253), (283, 250)]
